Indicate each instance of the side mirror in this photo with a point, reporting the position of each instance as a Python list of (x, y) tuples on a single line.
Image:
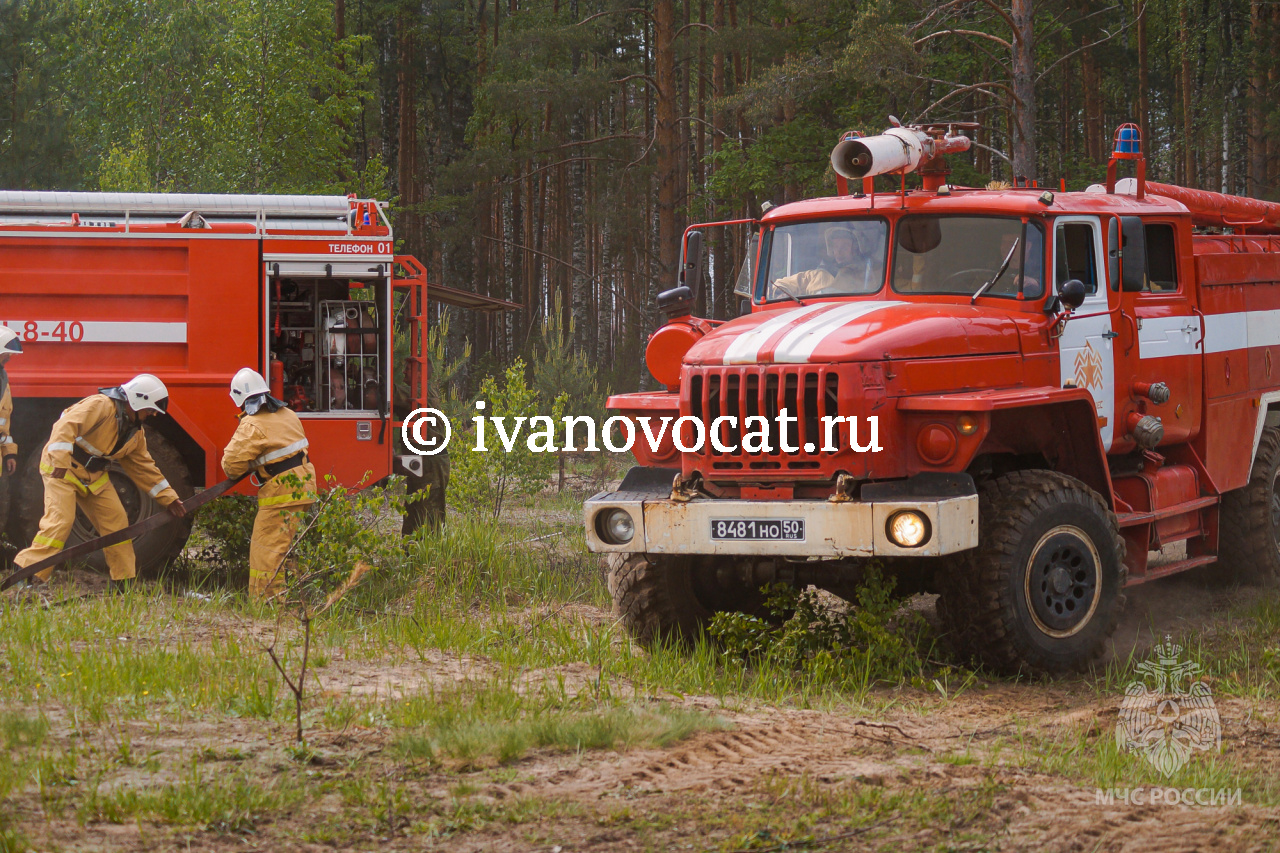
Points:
[(1072, 293), (676, 302), (691, 265)]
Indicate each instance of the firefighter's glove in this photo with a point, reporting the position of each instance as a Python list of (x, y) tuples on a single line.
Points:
[(96, 464), (176, 509), (10, 464)]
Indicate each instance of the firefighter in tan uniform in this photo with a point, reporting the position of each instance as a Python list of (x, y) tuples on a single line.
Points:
[(10, 345), (270, 442), (98, 430)]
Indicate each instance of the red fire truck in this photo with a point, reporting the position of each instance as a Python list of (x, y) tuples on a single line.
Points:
[(308, 290), (1033, 391)]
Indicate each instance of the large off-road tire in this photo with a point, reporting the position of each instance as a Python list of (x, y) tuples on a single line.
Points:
[(1044, 589), (1249, 525), (428, 511), (154, 550), (665, 598)]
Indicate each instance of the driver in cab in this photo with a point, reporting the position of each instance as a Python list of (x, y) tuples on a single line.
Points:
[(850, 268)]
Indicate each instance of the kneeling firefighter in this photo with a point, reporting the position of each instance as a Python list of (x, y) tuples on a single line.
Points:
[(99, 430), (10, 345), (271, 443)]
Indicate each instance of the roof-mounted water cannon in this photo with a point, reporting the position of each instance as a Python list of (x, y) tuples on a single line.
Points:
[(901, 150)]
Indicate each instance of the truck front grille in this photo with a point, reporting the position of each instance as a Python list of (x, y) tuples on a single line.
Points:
[(808, 393)]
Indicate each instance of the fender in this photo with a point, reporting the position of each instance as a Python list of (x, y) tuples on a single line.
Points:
[(1058, 423)]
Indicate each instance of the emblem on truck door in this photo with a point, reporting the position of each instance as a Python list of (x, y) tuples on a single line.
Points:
[(1089, 369)]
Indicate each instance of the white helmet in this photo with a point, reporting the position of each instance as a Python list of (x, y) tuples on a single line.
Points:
[(145, 391), (247, 383), (9, 341)]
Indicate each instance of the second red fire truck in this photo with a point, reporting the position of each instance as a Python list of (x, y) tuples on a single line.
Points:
[(308, 290)]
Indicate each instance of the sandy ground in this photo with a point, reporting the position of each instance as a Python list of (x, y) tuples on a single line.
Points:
[(699, 793)]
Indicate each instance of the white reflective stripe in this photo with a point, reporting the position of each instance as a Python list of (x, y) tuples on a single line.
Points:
[(1225, 332), (1161, 337), (4, 439), (798, 344), (279, 454), (746, 346), (55, 446), (3, 421), (103, 331), (158, 488), (93, 451), (1263, 331)]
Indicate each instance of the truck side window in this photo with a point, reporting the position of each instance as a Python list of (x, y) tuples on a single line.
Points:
[(1162, 266), (1076, 247)]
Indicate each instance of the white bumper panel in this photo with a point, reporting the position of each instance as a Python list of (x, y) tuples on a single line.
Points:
[(847, 529)]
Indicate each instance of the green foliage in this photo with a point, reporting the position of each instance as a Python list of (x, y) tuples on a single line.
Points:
[(344, 529), (558, 369), (222, 533), (446, 371), (483, 480), (874, 640)]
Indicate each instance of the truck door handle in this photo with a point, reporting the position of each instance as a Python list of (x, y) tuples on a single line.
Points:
[(1109, 335)]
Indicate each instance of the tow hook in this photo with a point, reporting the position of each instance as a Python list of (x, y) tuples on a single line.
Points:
[(844, 489), (682, 491)]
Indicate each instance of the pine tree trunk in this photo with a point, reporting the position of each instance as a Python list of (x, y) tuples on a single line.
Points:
[(1188, 148), (666, 140), (1024, 90)]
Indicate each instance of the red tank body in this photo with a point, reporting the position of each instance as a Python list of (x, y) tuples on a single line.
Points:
[(1154, 394), (191, 288)]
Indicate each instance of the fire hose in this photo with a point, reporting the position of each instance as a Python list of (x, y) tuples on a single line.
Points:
[(133, 531)]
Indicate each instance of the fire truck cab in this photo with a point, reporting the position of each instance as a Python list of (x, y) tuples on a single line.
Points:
[(307, 290), (1011, 397)]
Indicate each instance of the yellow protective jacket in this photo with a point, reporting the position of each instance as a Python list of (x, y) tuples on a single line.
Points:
[(7, 447), (93, 425), (265, 438)]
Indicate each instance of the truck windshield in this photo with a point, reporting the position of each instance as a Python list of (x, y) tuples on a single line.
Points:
[(964, 255), (826, 259)]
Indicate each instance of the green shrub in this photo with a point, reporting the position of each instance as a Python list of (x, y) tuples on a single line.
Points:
[(222, 533), (873, 640)]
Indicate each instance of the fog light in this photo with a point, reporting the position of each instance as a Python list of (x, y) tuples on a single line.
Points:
[(618, 527), (908, 528)]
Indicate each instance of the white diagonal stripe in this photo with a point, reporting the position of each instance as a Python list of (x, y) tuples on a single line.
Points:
[(745, 348), (798, 345)]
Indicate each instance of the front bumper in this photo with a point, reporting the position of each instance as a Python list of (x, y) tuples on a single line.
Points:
[(831, 529)]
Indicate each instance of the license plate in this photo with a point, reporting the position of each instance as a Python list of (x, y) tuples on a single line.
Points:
[(770, 529)]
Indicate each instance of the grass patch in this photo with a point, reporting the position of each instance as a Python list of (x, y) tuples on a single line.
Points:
[(497, 724), (230, 802)]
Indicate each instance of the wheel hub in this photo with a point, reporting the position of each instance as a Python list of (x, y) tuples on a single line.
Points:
[(1063, 581)]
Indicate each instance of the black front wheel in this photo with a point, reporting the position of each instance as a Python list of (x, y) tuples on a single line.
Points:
[(1043, 590)]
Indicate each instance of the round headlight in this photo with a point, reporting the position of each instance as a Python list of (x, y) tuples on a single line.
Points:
[(618, 527), (909, 529)]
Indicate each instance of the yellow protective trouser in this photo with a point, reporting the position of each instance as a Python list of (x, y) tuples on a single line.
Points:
[(273, 531), (61, 498)]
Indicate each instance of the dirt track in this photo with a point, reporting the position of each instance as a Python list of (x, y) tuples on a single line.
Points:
[(919, 772)]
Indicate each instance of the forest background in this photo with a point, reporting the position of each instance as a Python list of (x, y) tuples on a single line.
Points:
[(551, 152)]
